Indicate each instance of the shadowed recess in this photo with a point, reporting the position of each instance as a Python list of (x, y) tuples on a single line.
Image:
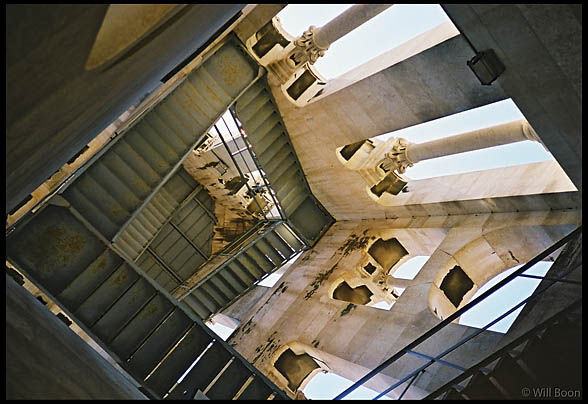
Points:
[(348, 151), (387, 252), (456, 284), (358, 295), (391, 183), (294, 367)]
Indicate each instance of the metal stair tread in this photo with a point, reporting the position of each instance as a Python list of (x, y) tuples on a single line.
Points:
[(126, 153), (159, 343)]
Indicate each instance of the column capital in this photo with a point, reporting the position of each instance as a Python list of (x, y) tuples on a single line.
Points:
[(396, 158), (302, 50), (306, 49)]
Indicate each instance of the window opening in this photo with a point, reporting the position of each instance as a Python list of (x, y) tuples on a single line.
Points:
[(387, 252), (507, 155), (504, 299), (456, 284), (411, 267), (359, 295), (396, 25)]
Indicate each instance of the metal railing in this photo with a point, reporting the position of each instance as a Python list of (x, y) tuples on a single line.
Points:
[(411, 377), (508, 348), (243, 167)]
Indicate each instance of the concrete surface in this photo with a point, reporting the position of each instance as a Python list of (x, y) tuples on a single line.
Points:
[(54, 106), (37, 343)]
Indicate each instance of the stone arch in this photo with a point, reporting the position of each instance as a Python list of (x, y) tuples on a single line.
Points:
[(483, 258), (387, 253), (360, 294), (368, 282), (294, 364)]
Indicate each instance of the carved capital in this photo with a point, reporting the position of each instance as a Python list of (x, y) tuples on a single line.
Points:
[(395, 158), (306, 48)]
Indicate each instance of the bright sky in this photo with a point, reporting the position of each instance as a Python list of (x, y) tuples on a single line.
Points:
[(482, 117), (397, 25), (504, 298), (387, 30), (325, 386)]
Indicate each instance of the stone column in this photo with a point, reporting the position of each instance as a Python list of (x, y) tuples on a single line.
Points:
[(346, 22), (313, 43), (404, 154)]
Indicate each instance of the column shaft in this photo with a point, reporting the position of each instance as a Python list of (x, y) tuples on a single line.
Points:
[(510, 132), (346, 22)]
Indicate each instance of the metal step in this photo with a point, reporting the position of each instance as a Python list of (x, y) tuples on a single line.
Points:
[(145, 155), (261, 121), (527, 366), (254, 260), (200, 377), (153, 338)]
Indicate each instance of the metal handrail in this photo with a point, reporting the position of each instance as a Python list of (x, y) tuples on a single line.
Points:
[(240, 172), (457, 314), (517, 342), (466, 339), (272, 225), (258, 166)]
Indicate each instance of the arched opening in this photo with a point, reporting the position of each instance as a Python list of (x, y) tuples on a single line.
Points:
[(456, 284), (295, 368), (387, 252), (410, 268), (503, 299), (370, 282), (399, 24), (477, 262), (294, 365), (304, 371), (392, 178), (496, 113), (359, 295)]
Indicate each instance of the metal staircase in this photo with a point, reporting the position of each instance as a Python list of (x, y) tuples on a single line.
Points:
[(267, 134), (179, 199), (125, 175), (88, 247), (241, 265), (532, 367)]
